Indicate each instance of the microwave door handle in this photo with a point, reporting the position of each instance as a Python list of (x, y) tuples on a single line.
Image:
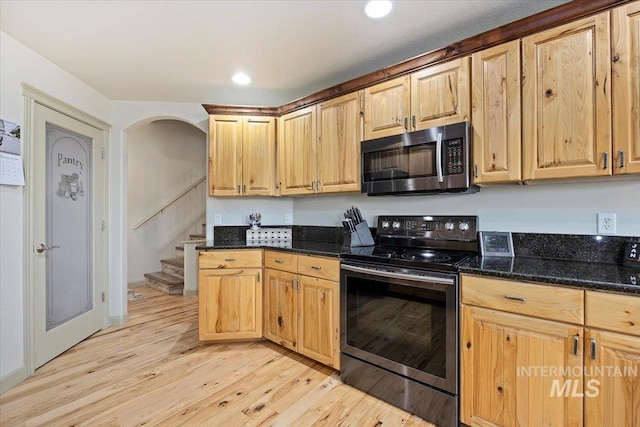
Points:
[(439, 158)]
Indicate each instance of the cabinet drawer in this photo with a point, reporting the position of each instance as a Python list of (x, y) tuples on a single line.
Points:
[(614, 312), (323, 268), (547, 302), (230, 259), (281, 261)]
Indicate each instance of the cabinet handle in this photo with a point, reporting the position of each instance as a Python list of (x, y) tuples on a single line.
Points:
[(296, 284), (238, 189), (413, 122), (258, 277), (230, 259), (475, 171), (515, 298), (576, 341), (279, 261), (318, 183), (244, 188), (606, 160), (406, 123), (313, 186), (592, 342), (314, 267), (621, 158)]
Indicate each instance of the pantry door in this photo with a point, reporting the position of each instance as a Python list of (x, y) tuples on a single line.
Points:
[(65, 171)]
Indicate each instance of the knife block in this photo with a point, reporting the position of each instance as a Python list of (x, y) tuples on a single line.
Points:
[(361, 237)]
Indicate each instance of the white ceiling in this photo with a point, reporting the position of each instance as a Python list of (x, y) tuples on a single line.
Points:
[(186, 51)]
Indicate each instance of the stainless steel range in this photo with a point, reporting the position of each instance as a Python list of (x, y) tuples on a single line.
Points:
[(399, 313)]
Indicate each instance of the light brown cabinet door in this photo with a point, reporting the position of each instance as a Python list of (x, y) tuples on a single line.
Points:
[(319, 324), (258, 156), (441, 94), (225, 155), (511, 366), (566, 100), (230, 304), (612, 384), (387, 106), (281, 308), (338, 148), (297, 171), (496, 114), (626, 88)]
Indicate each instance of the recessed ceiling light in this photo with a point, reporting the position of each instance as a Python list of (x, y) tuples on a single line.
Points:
[(241, 79), (378, 8)]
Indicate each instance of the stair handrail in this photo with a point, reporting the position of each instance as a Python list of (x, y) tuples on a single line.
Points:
[(175, 199)]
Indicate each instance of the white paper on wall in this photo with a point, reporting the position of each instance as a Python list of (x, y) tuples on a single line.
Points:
[(11, 171)]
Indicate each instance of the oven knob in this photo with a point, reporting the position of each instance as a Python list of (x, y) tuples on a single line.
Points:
[(385, 224), (396, 225), (464, 226), (449, 226)]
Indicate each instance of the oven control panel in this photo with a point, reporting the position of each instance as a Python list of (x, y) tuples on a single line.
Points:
[(430, 227)]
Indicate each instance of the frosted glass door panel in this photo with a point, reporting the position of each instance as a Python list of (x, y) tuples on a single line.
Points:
[(69, 287)]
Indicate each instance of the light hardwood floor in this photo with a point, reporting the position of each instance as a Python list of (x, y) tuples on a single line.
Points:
[(154, 371)]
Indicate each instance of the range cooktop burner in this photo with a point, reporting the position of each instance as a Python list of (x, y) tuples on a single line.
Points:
[(425, 256)]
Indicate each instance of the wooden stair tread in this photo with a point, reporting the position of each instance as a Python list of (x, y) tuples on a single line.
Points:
[(197, 236), (165, 278), (178, 262)]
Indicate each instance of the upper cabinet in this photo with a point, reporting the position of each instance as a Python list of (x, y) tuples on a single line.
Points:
[(242, 156), (435, 96), (496, 114), (296, 152), (625, 42), (319, 147), (566, 108), (387, 108)]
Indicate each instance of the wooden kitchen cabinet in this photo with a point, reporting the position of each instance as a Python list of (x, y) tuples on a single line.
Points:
[(319, 147), (496, 114), (612, 360), (242, 156), (302, 309), (506, 340), (625, 39), (501, 379), (230, 299), (387, 108), (566, 100), (435, 96)]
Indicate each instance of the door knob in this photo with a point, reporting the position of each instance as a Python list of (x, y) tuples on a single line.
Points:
[(42, 247)]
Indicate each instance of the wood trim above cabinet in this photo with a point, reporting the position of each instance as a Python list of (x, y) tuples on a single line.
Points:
[(559, 15)]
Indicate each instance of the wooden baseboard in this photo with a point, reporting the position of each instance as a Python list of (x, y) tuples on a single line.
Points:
[(13, 378)]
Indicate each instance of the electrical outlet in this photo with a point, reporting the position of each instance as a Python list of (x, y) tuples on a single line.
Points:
[(288, 218), (217, 219), (607, 223)]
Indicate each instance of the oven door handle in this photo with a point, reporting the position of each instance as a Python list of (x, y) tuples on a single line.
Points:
[(439, 158), (389, 274)]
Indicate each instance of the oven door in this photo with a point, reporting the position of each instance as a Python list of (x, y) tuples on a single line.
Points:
[(403, 321)]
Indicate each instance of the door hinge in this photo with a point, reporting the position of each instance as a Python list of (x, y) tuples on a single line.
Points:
[(102, 153), (103, 225), (103, 297)]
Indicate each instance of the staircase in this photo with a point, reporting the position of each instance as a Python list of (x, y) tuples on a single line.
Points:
[(171, 279)]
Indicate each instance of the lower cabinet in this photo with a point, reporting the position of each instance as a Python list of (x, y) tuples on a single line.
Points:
[(302, 311), (520, 369), (230, 299), (503, 358)]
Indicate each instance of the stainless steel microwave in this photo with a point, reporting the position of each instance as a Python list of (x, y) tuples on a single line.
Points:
[(434, 160)]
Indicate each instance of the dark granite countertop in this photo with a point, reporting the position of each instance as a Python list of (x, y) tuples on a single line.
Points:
[(584, 275), (299, 246)]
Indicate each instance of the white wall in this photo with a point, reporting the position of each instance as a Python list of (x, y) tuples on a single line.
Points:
[(165, 157), (19, 64), (568, 208)]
